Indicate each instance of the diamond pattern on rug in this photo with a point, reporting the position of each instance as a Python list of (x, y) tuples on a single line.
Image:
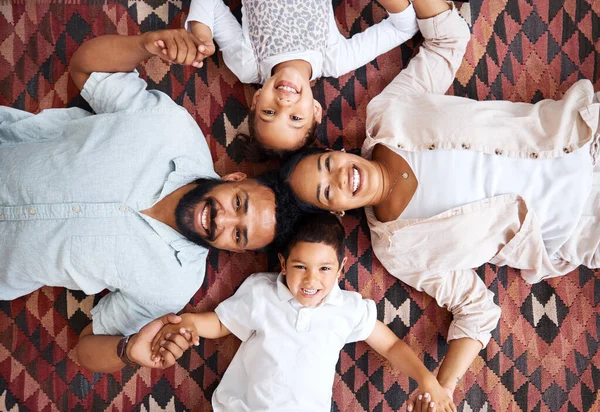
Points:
[(542, 357)]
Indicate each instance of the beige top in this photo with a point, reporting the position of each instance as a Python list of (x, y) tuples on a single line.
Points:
[(436, 254)]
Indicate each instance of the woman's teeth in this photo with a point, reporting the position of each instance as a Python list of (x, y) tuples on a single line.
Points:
[(287, 89), (205, 217), (355, 180), (309, 291)]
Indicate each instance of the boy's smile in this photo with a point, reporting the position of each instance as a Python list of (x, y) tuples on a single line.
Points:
[(311, 271)]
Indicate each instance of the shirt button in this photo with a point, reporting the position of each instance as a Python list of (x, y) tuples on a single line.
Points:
[(76, 209), (31, 211), (400, 146), (567, 150), (533, 155), (431, 147), (466, 146), (122, 208), (498, 151)]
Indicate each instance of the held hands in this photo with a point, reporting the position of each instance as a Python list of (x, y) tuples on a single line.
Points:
[(139, 348), (432, 397), (178, 46), (173, 335)]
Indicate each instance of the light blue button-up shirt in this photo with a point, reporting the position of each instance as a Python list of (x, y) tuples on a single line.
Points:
[(72, 185)]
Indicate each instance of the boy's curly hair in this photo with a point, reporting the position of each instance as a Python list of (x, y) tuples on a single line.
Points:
[(256, 152)]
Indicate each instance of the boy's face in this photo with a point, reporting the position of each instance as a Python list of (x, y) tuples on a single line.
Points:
[(285, 110), (311, 271)]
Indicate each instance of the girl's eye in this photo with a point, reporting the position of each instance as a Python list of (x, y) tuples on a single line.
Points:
[(327, 193), (295, 118), (269, 112), (327, 165), (238, 203)]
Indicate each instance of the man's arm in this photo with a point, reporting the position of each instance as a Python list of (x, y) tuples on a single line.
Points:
[(344, 55), (114, 53), (98, 353)]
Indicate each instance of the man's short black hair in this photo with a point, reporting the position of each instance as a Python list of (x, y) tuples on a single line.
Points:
[(318, 228), (287, 211)]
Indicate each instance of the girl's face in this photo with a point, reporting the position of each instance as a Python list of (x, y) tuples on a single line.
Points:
[(311, 271), (285, 110), (336, 181)]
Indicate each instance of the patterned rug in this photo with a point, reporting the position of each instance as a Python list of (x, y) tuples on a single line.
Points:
[(543, 356)]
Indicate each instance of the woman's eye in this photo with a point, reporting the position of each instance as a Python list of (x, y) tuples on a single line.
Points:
[(238, 202), (327, 165), (327, 193), (295, 118), (269, 112)]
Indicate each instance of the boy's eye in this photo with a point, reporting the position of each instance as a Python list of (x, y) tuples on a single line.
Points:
[(238, 203), (325, 268), (269, 112), (295, 118), (327, 192), (299, 266)]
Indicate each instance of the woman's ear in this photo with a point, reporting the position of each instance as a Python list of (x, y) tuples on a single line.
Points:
[(282, 263)]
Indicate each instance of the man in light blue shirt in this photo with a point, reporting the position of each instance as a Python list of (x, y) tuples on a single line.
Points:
[(125, 199)]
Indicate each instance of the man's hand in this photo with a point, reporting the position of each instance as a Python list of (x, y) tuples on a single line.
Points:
[(204, 34), (177, 46), (139, 348)]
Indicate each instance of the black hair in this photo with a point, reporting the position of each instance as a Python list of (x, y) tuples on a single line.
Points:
[(256, 152), (318, 228), (287, 211), (286, 169)]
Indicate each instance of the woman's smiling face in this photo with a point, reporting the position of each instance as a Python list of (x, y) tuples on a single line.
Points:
[(336, 181)]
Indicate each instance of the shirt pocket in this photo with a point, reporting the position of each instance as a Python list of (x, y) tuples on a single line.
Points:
[(93, 261)]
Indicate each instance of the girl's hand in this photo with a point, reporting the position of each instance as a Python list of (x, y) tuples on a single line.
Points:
[(432, 397), (175, 46)]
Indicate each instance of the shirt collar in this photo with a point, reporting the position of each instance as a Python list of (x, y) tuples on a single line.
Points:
[(335, 297)]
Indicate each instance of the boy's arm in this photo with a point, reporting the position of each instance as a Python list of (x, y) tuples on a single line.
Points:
[(344, 55), (114, 53), (402, 357)]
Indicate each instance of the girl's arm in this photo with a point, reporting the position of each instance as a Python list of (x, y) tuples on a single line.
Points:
[(402, 357)]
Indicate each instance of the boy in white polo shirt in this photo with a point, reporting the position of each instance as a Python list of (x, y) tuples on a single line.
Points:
[(293, 325)]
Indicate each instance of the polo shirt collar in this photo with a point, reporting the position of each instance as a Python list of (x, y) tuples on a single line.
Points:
[(335, 297)]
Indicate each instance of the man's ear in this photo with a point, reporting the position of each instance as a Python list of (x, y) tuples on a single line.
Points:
[(255, 98), (282, 263), (317, 111), (235, 176)]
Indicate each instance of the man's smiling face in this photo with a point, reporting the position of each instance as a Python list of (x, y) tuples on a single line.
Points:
[(235, 215)]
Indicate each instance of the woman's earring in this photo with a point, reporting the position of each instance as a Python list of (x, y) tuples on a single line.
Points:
[(338, 214), (342, 150)]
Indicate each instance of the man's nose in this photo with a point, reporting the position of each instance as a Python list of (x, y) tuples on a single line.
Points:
[(225, 219)]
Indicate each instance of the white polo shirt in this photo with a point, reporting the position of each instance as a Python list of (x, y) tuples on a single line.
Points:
[(287, 358)]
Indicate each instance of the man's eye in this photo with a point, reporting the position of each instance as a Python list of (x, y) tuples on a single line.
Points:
[(327, 165), (295, 118), (327, 193), (238, 235), (238, 202), (269, 112)]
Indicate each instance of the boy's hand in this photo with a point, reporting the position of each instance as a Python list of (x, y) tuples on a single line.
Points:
[(171, 334), (176, 46), (432, 397)]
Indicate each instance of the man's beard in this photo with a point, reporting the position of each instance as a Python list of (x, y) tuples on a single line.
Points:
[(184, 212)]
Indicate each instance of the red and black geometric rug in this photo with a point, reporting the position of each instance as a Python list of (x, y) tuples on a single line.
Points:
[(544, 356)]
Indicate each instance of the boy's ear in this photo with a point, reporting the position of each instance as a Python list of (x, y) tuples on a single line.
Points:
[(317, 111), (282, 263), (341, 269)]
